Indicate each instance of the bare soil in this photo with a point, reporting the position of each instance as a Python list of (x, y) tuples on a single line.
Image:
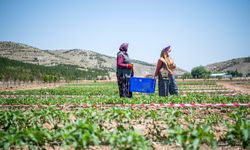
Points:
[(238, 88), (30, 86)]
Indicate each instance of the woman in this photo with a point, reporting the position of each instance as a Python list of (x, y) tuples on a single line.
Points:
[(124, 71), (165, 72)]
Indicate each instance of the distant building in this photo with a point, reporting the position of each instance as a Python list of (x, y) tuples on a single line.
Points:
[(222, 75)]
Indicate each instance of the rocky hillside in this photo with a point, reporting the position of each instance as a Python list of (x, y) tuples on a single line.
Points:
[(83, 58), (242, 65)]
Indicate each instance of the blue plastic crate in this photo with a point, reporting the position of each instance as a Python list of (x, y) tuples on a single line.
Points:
[(143, 85)]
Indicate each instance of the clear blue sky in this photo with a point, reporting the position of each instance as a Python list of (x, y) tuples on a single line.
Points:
[(200, 31)]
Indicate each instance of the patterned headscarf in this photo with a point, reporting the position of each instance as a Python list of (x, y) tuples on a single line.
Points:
[(124, 47), (164, 50)]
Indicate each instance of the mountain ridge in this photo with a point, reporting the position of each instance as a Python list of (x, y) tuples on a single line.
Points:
[(242, 65), (79, 57)]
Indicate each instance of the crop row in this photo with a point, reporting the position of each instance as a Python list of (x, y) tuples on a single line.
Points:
[(112, 91), (125, 128), (97, 89), (137, 99), (4, 96), (117, 127)]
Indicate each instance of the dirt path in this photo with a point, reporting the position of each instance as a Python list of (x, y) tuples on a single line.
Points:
[(30, 86), (237, 88)]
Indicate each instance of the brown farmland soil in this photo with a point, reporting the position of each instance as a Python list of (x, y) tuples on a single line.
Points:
[(238, 88)]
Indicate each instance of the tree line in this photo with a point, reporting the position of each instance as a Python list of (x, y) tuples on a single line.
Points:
[(12, 70), (201, 72)]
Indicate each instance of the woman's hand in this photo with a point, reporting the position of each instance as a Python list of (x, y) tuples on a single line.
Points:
[(171, 72), (155, 77), (132, 74), (173, 66), (130, 66)]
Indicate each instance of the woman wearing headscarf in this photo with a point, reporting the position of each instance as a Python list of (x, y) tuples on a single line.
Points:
[(165, 72), (124, 71)]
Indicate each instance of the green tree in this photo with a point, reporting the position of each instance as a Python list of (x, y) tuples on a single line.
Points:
[(7, 78), (31, 78), (12, 69), (1, 77), (200, 72), (235, 73), (55, 78), (45, 78), (187, 75)]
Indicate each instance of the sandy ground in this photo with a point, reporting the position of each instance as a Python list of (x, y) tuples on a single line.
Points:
[(238, 88), (31, 86)]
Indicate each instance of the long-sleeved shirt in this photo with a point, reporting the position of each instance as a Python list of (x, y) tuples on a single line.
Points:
[(120, 63), (158, 67), (159, 64)]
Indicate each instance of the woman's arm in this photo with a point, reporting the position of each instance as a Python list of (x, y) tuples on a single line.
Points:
[(167, 65), (158, 66), (173, 66), (120, 62)]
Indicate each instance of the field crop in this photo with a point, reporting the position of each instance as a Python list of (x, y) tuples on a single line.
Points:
[(28, 121)]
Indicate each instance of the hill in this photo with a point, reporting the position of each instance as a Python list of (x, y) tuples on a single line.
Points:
[(13, 70), (242, 65), (85, 59)]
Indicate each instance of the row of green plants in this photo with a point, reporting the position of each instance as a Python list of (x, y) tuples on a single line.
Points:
[(100, 90), (204, 82), (202, 88), (115, 127), (79, 135), (109, 90), (115, 99), (199, 87), (83, 128)]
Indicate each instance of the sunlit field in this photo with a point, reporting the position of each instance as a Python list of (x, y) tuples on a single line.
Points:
[(93, 116)]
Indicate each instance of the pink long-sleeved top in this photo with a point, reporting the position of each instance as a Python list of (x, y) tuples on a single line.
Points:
[(120, 63), (158, 66)]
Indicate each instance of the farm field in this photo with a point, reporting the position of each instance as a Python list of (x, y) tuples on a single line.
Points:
[(93, 116)]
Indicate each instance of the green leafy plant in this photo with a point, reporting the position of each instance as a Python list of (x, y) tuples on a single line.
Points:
[(29, 136), (239, 132), (127, 140), (82, 134), (192, 137)]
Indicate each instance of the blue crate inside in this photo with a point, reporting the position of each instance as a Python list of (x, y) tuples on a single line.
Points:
[(143, 85)]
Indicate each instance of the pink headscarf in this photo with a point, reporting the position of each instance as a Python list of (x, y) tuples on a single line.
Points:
[(124, 47), (166, 48)]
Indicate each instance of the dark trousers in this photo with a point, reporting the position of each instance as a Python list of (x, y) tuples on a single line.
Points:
[(173, 89), (123, 84), (167, 86), (163, 87)]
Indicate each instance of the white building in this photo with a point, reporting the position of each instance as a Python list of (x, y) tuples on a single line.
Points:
[(222, 75)]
